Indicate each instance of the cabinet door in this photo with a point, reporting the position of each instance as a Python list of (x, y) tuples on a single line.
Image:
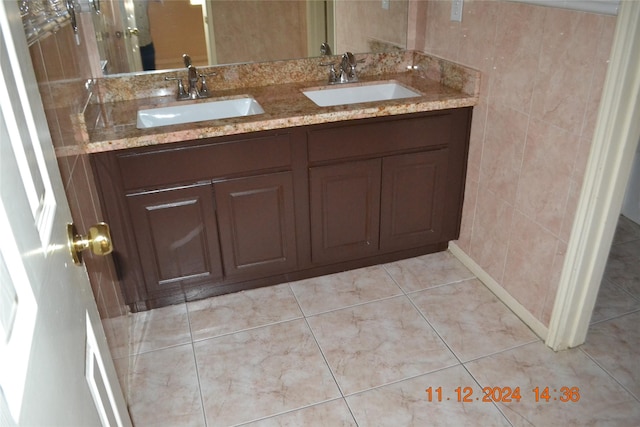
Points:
[(257, 225), (345, 210), (413, 199), (177, 238)]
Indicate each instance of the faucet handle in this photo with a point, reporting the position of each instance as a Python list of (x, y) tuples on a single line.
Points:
[(203, 75), (182, 94), (333, 75), (204, 90), (351, 74)]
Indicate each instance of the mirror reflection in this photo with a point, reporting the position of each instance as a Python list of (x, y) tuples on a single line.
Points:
[(217, 32)]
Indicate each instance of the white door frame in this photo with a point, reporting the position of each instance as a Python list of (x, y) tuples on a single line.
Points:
[(209, 32), (608, 169), (319, 26)]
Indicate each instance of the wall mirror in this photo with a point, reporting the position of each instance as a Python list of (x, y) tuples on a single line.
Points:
[(216, 32)]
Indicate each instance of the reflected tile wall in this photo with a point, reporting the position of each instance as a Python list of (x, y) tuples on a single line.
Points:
[(359, 22), (62, 72), (241, 30), (543, 72)]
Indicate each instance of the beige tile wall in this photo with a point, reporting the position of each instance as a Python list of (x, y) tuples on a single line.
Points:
[(543, 71), (62, 71)]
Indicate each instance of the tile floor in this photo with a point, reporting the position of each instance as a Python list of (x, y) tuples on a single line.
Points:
[(360, 348)]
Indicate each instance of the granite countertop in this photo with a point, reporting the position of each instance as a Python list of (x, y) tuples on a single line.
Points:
[(111, 124)]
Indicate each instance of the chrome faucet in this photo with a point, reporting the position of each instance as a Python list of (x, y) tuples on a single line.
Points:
[(325, 49), (347, 71), (193, 91), (348, 68)]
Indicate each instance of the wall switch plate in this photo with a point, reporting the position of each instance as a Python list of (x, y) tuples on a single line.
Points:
[(456, 10), (385, 4)]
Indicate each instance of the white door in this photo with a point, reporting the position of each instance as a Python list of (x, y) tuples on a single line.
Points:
[(55, 367)]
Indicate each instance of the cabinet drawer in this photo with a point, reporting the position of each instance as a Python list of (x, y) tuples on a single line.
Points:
[(152, 168), (368, 138)]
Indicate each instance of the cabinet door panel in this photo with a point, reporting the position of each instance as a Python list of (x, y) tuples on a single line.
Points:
[(177, 237), (345, 210), (413, 199), (257, 228)]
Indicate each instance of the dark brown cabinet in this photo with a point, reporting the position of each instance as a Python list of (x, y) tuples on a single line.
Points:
[(199, 218), (345, 210), (257, 225), (207, 217), (386, 186), (366, 207), (177, 238), (411, 208)]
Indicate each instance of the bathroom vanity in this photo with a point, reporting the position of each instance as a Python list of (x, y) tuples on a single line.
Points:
[(214, 207)]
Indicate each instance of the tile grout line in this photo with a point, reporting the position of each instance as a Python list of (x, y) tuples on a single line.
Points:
[(288, 411), (342, 396), (411, 377), (537, 339), (251, 328), (495, 404), (195, 361), (333, 310), (614, 317), (592, 358), (317, 343), (424, 317)]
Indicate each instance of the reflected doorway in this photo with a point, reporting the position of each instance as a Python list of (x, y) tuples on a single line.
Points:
[(213, 32)]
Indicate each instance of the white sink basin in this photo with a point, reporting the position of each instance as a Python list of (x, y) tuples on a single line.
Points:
[(327, 96), (189, 113)]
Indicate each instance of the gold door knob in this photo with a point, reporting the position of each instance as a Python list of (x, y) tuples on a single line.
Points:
[(98, 239)]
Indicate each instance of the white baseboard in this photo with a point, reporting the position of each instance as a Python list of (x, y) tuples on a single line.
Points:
[(529, 319)]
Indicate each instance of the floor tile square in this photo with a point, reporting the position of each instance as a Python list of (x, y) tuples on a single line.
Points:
[(427, 271), (614, 345), (601, 401), (471, 320), (334, 291), (162, 387), (242, 310), (623, 267), (148, 330), (613, 301), (406, 403), (330, 414), (377, 343), (262, 372), (626, 230)]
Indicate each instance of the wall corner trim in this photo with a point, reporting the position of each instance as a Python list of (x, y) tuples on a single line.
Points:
[(614, 143), (518, 309)]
